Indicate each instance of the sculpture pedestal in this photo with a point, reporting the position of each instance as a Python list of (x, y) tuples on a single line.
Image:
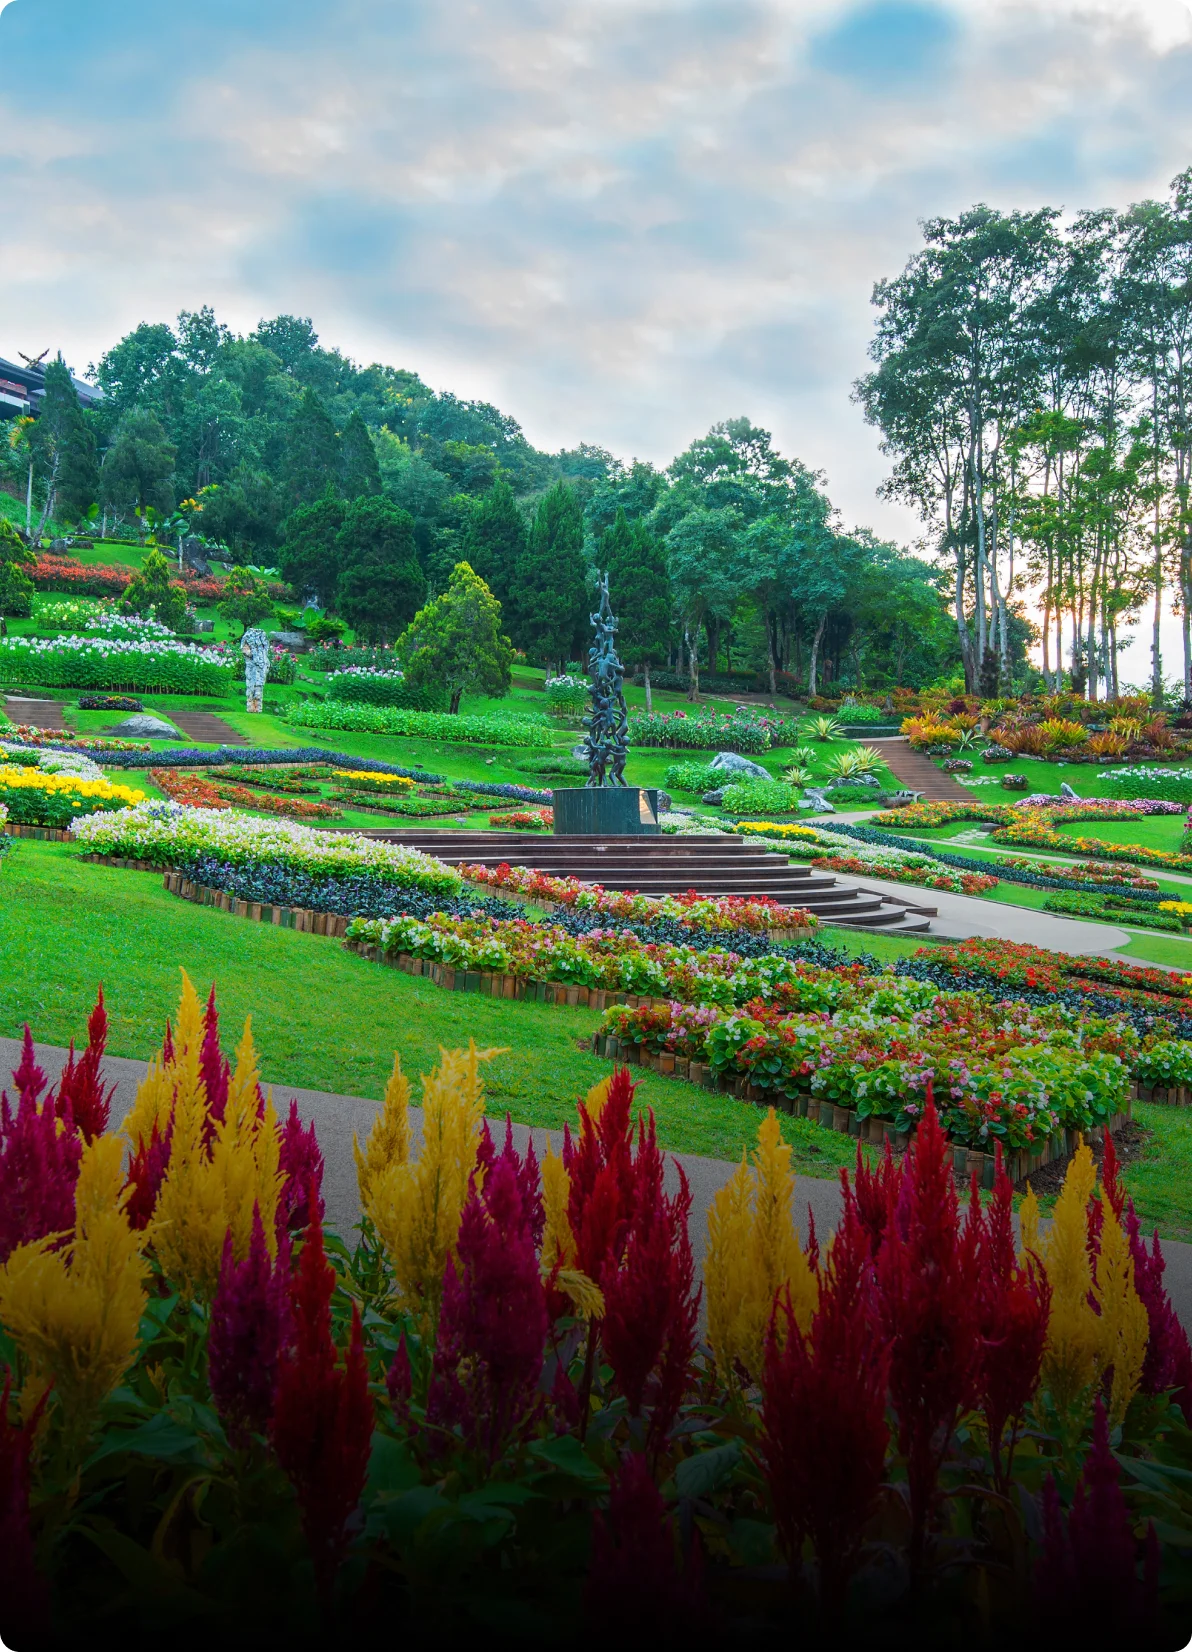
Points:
[(606, 811)]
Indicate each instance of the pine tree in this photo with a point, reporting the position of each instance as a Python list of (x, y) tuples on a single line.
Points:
[(639, 590), (309, 556), (381, 581), (311, 462), (549, 597), (496, 540), (66, 448), (455, 642), (360, 474)]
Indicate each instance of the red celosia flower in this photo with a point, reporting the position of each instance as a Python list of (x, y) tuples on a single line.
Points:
[(1087, 1577), (39, 1161), (872, 1193), (926, 1270), (399, 1381), (80, 1094), (493, 1322), (24, 1597), (602, 1177), (213, 1068), (635, 1583), (824, 1414), (301, 1163), (322, 1413), (146, 1172), (251, 1326)]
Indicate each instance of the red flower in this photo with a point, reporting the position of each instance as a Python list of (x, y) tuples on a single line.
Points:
[(251, 1325), (24, 1597), (39, 1161), (146, 1172), (301, 1163), (80, 1095), (635, 1585)]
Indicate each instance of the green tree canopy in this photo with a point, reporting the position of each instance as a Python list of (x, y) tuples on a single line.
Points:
[(496, 539), (311, 461), (65, 446), (310, 555), (152, 594), (549, 597), (245, 599), (455, 642), (359, 472), (138, 471), (380, 582), (640, 593)]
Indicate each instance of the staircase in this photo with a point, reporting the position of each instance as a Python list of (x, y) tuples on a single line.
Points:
[(919, 774), (670, 866)]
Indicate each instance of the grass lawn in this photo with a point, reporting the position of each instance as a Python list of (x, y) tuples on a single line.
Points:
[(1150, 831), (1041, 777), (1159, 1180), (323, 1018)]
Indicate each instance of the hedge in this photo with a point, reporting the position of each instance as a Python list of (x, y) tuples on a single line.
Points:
[(432, 725)]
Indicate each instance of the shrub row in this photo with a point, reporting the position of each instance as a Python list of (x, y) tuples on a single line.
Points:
[(430, 725)]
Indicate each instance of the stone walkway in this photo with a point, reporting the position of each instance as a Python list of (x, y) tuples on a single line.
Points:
[(337, 1118), (917, 772), (47, 714)]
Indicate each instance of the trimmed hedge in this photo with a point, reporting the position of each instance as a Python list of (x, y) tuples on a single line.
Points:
[(384, 689), (431, 725)]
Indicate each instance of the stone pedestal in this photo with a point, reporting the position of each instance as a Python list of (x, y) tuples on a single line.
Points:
[(606, 811)]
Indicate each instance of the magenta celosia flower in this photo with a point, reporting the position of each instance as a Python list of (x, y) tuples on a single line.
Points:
[(80, 1095), (635, 1583), (322, 1413), (493, 1321), (146, 1172), (39, 1161), (213, 1068), (871, 1194), (301, 1163), (824, 1414), (251, 1327), (24, 1597), (526, 1169)]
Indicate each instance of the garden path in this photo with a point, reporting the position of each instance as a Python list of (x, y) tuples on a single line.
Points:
[(918, 773), (960, 916), (47, 714), (211, 730), (338, 1118)]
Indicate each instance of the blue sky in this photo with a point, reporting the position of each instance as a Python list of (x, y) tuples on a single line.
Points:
[(619, 219)]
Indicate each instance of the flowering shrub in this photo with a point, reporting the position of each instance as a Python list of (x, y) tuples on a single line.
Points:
[(1167, 1062), (1079, 871), (567, 696), (101, 662), (67, 614), (1117, 909), (168, 835), (35, 798), (134, 626), (365, 685), (524, 820), (712, 912), (430, 725), (916, 870), (505, 1377), (986, 962), (726, 731)]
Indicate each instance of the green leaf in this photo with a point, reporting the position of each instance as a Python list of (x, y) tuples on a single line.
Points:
[(390, 1467), (567, 1456), (699, 1475), (162, 1437)]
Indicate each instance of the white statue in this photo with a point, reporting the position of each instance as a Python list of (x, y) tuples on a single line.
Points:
[(254, 645)]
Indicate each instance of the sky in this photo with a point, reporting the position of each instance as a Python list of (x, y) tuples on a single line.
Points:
[(620, 220)]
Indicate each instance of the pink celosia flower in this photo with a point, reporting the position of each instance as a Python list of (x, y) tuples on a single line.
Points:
[(251, 1326), (301, 1163), (635, 1583), (39, 1161), (80, 1094)]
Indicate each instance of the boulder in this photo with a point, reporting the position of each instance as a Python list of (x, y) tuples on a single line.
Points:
[(713, 798), (295, 641), (144, 727), (732, 764), (665, 801), (820, 803), (1068, 795), (192, 556)]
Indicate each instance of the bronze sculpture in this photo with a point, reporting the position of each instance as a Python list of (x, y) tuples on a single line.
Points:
[(606, 744)]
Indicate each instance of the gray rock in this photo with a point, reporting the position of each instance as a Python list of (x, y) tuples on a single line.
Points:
[(665, 800), (899, 800), (820, 803), (193, 557), (580, 753), (59, 546), (295, 641), (740, 768), (204, 627), (714, 798), (1068, 794), (144, 727)]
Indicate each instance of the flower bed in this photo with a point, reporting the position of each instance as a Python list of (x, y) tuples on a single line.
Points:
[(992, 963), (824, 848), (409, 804), (365, 685), (513, 1404), (196, 792), (100, 662), (1081, 872), (1116, 909), (524, 820), (429, 725), (1015, 1075), (193, 757), (759, 914), (166, 835), (711, 732), (34, 798), (67, 740)]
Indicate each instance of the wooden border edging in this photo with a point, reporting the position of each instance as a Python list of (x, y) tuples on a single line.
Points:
[(285, 917), (43, 834)]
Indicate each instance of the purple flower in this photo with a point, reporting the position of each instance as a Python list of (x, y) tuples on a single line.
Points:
[(39, 1161), (251, 1325), (301, 1163)]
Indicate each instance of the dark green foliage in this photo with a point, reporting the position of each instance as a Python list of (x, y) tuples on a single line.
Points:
[(65, 444), (243, 513), (309, 556), (496, 540), (639, 590), (138, 471), (456, 641), (359, 472), (16, 590), (311, 459), (380, 582), (152, 595), (549, 599), (246, 599)]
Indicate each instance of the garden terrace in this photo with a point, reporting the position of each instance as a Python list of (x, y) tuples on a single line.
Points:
[(669, 866)]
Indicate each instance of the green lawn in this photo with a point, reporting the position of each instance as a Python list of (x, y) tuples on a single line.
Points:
[(1150, 831), (1041, 777), (323, 1018)]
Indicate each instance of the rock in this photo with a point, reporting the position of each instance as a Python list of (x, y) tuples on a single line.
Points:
[(899, 800), (59, 547), (296, 641), (192, 556), (820, 803), (578, 751), (740, 768), (145, 727), (665, 801), (714, 798), (204, 627), (1068, 794)]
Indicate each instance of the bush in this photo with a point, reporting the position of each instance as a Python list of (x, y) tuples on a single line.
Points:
[(691, 777), (431, 725), (1169, 785), (97, 662), (853, 716), (561, 763), (754, 797), (856, 797), (109, 702), (365, 686), (1114, 909), (677, 729), (567, 696)]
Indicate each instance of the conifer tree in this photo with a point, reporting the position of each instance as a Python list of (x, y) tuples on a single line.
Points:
[(639, 590), (496, 540), (380, 581), (311, 461), (549, 598), (360, 474), (309, 557), (455, 642), (65, 447)]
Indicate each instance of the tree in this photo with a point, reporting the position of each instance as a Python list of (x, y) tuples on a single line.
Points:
[(549, 597), (359, 472), (245, 599), (496, 540), (243, 513), (639, 590), (16, 588), (455, 642), (138, 470), (703, 562), (65, 446), (309, 556), (381, 582), (152, 594), (311, 461)]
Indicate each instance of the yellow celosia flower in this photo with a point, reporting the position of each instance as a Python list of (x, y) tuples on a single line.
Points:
[(753, 1252), (1124, 1325), (74, 1312), (585, 1293), (209, 1191), (389, 1139), (597, 1096), (415, 1206), (558, 1241)]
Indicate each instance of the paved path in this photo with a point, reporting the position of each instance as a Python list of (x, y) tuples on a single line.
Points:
[(960, 916), (337, 1118), (917, 772), (47, 714)]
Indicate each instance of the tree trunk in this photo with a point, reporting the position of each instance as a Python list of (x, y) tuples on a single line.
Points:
[(770, 651), (812, 680), (29, 503), (649, 695), (692, 665), (456, 697)]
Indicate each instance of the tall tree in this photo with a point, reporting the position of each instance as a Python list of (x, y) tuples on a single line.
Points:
[(309, 556), (66, 448), (639, 590), (456, 641), (311, 460), (496, 539), (705, 573), (360, 475), (548, 600), (138, 469), (381, 582)]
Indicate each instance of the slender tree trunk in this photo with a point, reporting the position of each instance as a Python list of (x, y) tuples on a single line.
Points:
[(649, 695), (1156, 643), (29, 503), (770, 623), (692, 666), (812, 679), (456, 696)]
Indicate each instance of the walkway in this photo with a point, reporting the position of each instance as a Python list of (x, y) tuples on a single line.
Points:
[(208, 729), (337, 1118), (47, 714), (918, 773), (960, 916)]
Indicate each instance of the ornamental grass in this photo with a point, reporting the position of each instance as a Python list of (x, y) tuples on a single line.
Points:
[(494, 1404)]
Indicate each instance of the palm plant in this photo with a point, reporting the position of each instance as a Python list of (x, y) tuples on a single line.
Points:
[(797, 775), (823, 728)]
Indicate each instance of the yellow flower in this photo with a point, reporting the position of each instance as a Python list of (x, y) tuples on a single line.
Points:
[(389, 1139), (558, 1241), (367, 774), (753, 1252), (75, 1312), (1124, 1325)]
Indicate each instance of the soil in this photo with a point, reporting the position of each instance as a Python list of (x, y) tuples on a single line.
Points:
[(1129, 1143)]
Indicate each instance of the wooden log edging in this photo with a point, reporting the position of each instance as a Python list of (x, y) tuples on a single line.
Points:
[(43, 834), (519, 898), (965, 1160), (284, 917)]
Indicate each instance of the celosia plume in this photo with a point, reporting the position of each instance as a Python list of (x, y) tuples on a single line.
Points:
[(322, 1413), (824, 1413), (250, 1327), (872, 1193), (389, 1139), (300, 1163), (39, 1161), (635, 1583), (24, 1597), (80, 1094)]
